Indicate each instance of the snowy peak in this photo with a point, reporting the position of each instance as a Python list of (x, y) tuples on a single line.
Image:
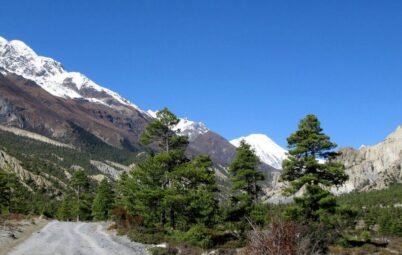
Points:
[(186, 127), (266, 149), (191, 129), (18, 58)]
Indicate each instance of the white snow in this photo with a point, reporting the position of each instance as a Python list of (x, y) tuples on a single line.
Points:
[(265, 148), (18, 58), (190, 128)]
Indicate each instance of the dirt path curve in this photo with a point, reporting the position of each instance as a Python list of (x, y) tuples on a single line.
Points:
[(72, 238)]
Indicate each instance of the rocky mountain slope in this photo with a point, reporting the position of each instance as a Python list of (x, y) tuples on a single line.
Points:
[(42, 102), (373, 167)]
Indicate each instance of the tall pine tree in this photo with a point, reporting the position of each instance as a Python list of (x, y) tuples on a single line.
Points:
[(160, 131), (103, 201), (245, 172), (303, 170), (245, 178), (80, 182)]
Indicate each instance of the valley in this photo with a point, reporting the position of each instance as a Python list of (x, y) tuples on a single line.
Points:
[(81, 155)]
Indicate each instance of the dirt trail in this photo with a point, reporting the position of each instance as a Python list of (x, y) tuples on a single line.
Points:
[(70, 238)]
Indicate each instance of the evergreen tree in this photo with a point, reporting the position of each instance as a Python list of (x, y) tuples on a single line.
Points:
[(103, 201), (67, 208), (121, 190), (244, 177), (14, 197), (303, 170), (194, 192), (245, 173), (5, 191), (80, 182), (160, 131)]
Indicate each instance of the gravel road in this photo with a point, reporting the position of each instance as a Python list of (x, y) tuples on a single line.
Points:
[(72, 238)]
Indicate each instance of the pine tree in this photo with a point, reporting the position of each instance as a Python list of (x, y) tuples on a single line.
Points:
[(245, 173), (303, 170), (67, 208), (103, 201), (245, 178), (194, 192), (14, 197), (80, 182), (5, 191), (160, 131)]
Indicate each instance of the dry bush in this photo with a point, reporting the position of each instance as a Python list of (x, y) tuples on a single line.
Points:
[(124, 220), (285, 238)]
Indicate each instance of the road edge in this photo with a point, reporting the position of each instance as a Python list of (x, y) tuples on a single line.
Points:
[(27, 232)]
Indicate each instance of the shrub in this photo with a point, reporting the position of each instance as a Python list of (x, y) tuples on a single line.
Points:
[(199, 235), (147, 235), (163, 251)]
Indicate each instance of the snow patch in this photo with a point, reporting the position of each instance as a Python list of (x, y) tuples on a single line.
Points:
[(265, 148)]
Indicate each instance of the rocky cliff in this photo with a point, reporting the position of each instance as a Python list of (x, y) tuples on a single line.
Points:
[(373, 167)]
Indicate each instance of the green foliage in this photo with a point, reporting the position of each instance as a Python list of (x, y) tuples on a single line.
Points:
[(81, 184), (99, 150), (160, 131), (302, 169), (14, 197), (103, 201), (68, 208), (245, 173), (146, 235), (380, 208), (199, 235), (167, 190), (243, 207)]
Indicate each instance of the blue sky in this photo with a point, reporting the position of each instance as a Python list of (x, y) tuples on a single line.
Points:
[(240, 67)]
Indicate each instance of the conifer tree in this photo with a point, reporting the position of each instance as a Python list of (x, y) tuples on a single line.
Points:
[(160, 131), (196, 183), (245, 173), (67, 208), (245, 178), (14, 197), (303, 170), (5, 191), (80, 182), (103, 201)]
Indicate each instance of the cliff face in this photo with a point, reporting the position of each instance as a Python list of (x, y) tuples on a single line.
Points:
[(373, 167)]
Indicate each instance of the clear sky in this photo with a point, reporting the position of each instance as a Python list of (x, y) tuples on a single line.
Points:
[(240, 67)]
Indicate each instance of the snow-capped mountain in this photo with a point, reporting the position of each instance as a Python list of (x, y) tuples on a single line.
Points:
[(186, 127), (18, 58), (39, 95), (266, 149)]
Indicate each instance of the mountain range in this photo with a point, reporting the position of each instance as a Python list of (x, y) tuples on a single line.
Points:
[(37, 96), (71, 117)]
